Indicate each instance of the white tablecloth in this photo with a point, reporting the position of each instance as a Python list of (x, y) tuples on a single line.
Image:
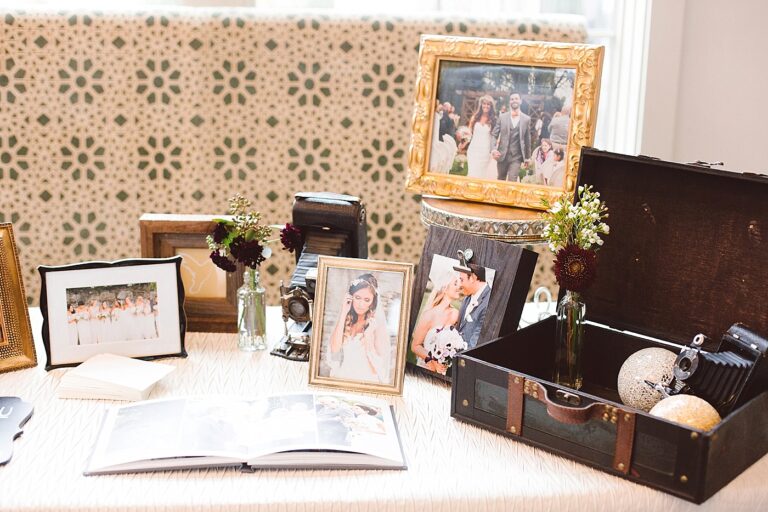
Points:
[(452, 465)]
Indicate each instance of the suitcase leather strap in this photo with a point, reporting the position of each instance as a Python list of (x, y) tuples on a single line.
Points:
[(518, 386)]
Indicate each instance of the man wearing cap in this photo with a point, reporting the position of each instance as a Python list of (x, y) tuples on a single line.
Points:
[(476, 295)]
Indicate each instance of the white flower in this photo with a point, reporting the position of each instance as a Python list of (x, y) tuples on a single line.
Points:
[(556, 207), (444, 344)]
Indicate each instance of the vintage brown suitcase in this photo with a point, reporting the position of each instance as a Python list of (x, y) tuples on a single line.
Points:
[(687, 254)]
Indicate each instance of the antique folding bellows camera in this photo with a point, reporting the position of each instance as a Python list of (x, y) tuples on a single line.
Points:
[(734, 371), (331, 225)]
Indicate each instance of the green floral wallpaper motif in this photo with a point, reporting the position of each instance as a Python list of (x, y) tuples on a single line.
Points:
[(84, 234), (236, 158), (11, 81), (158, 81), (159, 157), (309, 83), (234, 81), (83, 83), (82, 158), (310, 159), (106, 116), (13, 158)]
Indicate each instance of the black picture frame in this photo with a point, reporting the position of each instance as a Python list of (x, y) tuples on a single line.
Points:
[(513, 267), (53, 293)]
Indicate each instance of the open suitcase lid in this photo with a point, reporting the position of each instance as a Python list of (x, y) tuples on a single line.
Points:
[(688, 248)]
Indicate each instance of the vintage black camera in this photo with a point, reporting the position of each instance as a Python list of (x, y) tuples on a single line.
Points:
[(331, 225), (730, 375)]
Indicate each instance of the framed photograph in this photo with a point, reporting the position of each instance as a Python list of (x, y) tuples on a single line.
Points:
[(211, 301), (132, 308), (17, 347), (501, 121), (468, 290), (360, 327)]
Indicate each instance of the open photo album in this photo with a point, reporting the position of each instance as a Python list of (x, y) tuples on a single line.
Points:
[(290, 430)]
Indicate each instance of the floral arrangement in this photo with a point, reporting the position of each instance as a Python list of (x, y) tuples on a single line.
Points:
[(573, 232), (442, 345), (463, 134), (243, 239)]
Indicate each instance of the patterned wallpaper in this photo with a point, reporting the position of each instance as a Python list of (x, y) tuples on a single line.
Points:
[(105, 117)]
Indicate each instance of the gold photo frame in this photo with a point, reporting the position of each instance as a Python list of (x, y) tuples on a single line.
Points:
[(481, 76), (17, 346), (360, 327)]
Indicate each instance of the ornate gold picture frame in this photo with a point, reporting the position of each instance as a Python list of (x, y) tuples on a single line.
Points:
[(532, 105), (17, 347)]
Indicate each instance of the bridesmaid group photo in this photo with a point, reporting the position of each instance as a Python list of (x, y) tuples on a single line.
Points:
[(109, 314), (502, 122)]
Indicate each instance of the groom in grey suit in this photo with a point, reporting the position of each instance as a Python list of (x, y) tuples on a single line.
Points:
[(513, 139), (476, 295)]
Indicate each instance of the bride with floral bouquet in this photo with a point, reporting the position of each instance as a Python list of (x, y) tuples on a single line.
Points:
[(435, 339)]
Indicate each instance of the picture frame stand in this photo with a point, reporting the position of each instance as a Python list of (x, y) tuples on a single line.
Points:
[(514, 225)]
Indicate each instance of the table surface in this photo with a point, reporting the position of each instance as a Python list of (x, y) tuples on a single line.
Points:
[(451, 465)]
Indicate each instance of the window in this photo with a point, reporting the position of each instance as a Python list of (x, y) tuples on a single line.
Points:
[(622, 27)]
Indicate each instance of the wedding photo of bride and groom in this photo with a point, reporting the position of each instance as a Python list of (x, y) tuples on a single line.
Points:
[(502, 122), (451, 314)]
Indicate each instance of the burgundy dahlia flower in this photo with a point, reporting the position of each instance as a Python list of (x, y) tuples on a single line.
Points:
[(575, 268), (220, 232), (290, 237), (247, 252), (223, 262)]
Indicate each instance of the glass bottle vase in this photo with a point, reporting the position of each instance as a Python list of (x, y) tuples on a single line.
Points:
[(251, 313), (570, 340)]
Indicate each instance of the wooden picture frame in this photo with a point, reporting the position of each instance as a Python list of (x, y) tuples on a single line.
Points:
[(133, 308), (168, 235), (364, 348), (470, 75), (475, 313), (17, 346)]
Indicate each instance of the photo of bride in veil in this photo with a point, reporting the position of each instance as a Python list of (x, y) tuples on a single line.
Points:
[(361, 335)]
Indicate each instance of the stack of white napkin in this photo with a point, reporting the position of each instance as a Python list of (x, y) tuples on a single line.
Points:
[(111, 377)]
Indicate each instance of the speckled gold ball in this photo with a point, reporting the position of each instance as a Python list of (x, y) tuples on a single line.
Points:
[(687, 410), (652, 364)]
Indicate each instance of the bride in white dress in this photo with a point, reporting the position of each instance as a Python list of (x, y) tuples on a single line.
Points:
[(361, 336), (439, 313), (479, 160), (443, 151)]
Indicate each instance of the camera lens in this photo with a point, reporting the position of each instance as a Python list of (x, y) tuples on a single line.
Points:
[(298, 308), (686, 364)]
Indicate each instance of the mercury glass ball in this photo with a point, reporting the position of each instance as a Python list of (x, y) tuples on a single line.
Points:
[(651, 364), (687, 410)]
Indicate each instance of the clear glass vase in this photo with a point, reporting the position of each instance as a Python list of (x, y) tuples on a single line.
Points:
[(570, 340), (251, 313)]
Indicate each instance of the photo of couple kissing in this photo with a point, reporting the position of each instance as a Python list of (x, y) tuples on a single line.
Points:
[(451, 315)]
